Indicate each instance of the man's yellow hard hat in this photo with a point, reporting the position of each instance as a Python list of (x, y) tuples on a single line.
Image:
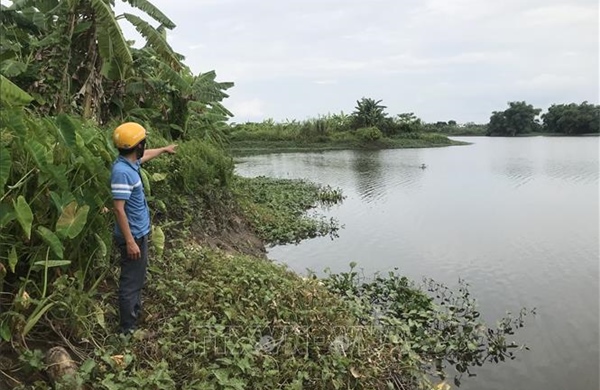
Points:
[(128, 135)]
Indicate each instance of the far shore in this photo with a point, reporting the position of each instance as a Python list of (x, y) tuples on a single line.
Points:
[(264, 147)]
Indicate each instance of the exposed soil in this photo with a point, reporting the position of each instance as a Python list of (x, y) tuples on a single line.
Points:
[(236, 236)]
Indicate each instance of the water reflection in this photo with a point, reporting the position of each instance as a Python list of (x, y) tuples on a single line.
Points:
[(519, 171), (367, 170), (407, 174), (572, 171)]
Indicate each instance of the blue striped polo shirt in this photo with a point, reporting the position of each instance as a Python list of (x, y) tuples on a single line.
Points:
[(126, 184)]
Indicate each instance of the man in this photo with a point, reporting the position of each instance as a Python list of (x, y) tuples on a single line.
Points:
[(132, 217)]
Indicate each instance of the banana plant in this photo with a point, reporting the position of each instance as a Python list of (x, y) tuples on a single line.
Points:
[(79, 48), (183, 104), (368, 112)]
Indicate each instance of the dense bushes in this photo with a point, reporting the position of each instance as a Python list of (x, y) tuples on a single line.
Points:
[(369, 134), (54, 187), (198, 167), (326, 133)]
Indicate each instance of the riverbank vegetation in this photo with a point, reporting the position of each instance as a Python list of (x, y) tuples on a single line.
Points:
[(277, 208), (217, 315), (368, 127)]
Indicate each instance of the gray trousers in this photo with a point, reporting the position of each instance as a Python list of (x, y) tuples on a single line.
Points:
[(131, 282)]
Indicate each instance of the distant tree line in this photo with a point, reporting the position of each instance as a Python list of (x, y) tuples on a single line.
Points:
[(519, 118), (522, 118), (370, 121)]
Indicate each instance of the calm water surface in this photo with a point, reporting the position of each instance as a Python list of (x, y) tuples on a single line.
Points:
[(516, 218)]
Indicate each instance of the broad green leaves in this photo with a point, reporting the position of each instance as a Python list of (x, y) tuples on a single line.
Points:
[(5, 163), (38, 151), (207, 89), (12, 95), (159, 176), (11, 68), (52, 240), (12, 259), (24, 215), (152, 11), (66, 129), (52, 263), (48, 184), (101, 245), (111, 41), (146, 182), (158, 239), (5, 332), (155, 40), (72, 220)]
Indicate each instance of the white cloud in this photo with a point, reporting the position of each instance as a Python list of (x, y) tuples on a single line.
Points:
[(562, 14), (252, 108), (551, 81)]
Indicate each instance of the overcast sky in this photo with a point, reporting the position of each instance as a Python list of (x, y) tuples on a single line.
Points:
[(441, 59)]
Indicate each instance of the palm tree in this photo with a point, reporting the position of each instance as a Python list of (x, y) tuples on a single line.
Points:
[(368, 112)]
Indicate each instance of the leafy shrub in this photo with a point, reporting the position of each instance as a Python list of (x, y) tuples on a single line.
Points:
[(195, 169), (368, 134), (344, 137)]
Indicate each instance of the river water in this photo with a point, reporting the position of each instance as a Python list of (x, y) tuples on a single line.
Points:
[(517, 218)]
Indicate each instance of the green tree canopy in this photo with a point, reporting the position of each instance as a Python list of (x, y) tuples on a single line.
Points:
[(518, 118), (572, 118)]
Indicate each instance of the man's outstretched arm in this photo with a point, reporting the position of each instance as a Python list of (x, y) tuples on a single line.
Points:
[(149, 154)]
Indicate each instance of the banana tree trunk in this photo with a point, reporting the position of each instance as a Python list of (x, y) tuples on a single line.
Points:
[(65, 85), (90, 94)]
